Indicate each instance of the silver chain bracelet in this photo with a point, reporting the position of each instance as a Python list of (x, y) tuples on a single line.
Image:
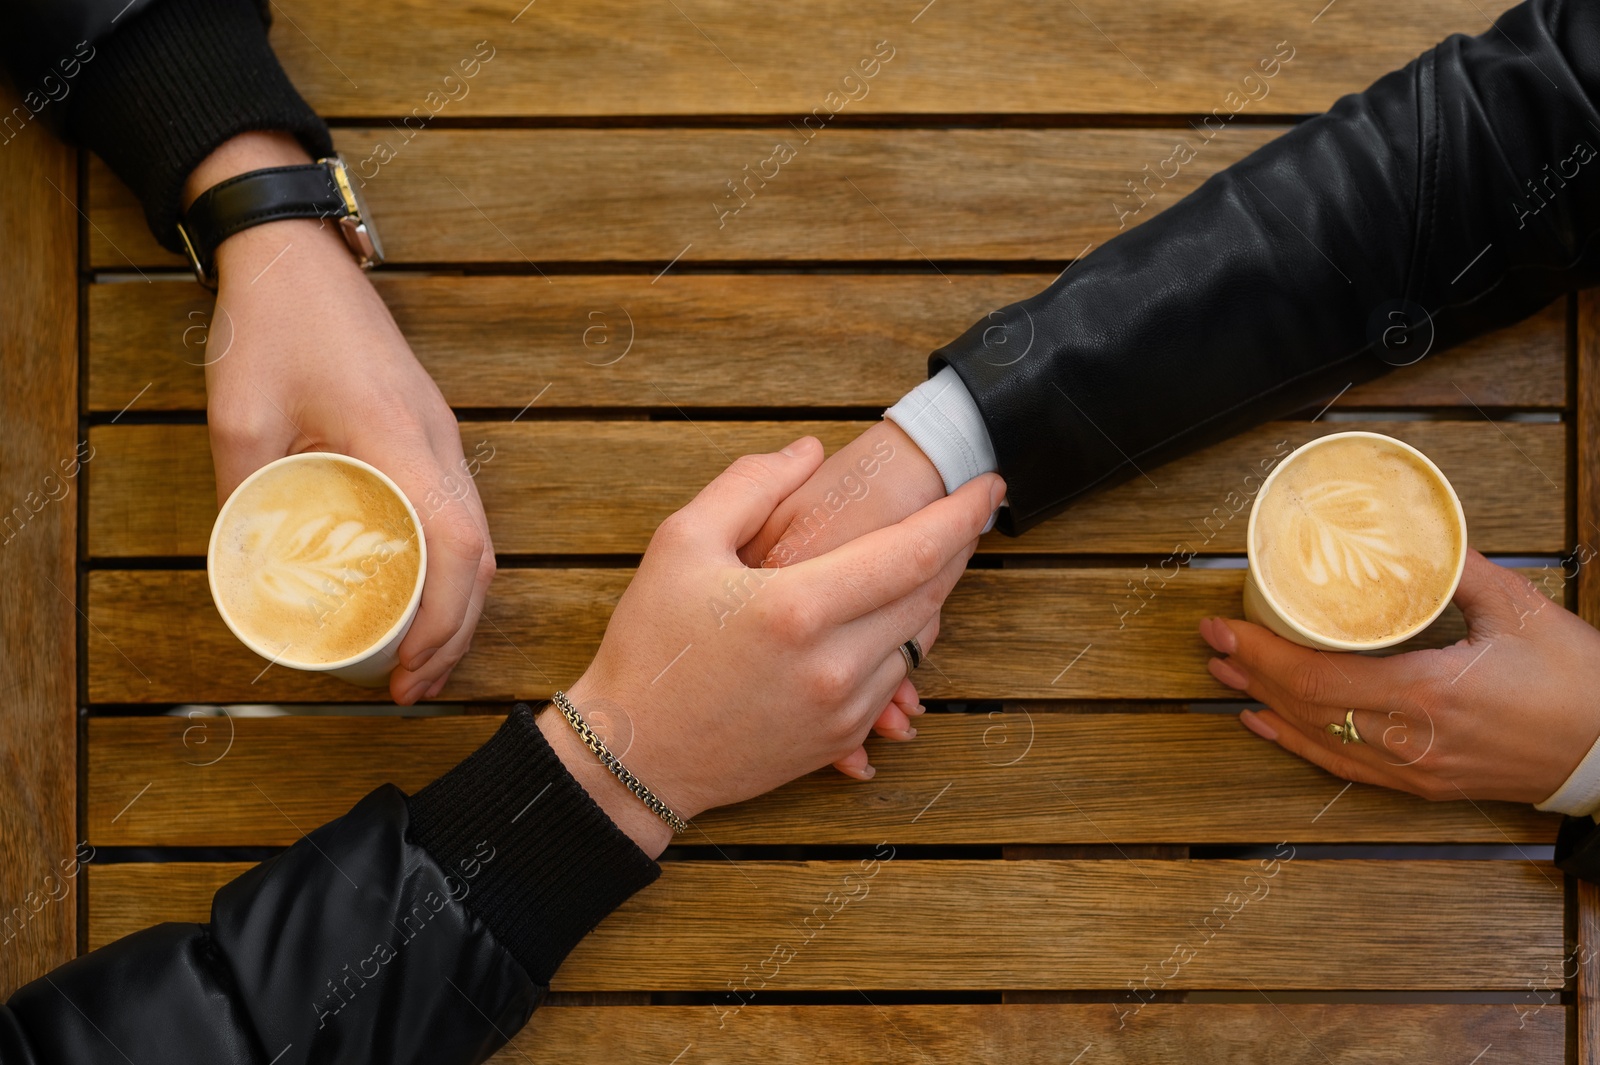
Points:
[(618, 770)]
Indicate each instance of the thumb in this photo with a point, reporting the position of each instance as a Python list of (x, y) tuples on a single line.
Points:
[(236, 455), (734, 507), (1493, 598)]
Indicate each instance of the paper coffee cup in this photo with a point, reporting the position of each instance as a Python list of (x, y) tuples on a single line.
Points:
[(348, 560), (1354, 542)]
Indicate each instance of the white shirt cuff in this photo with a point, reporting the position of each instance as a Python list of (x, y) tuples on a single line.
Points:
[(940, 415), (942, 419), (1579, 796)]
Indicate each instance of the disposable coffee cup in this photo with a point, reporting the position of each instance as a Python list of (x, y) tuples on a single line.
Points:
[(317, 562), (1356, 542)]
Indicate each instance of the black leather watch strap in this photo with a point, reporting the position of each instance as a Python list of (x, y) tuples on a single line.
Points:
[(309, 190)]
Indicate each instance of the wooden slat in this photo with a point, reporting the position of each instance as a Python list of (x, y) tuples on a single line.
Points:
[(1021, 778), (564, 487), (1585, 962), (798, 340), (1455, 925), (1586, 430), (38, 538), (648, 194), (717, 57), (155, 638), (1263, 1032)]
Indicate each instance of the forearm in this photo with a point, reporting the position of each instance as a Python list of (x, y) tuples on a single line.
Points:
[(1270, 288), (421, 929), (155, 89)]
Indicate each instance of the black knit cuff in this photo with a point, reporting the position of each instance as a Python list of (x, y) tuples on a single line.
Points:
[(1578, 848), (559, 864), (171, 84)]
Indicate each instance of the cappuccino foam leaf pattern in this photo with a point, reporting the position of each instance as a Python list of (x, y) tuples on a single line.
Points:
[(1357, 539), (1341, 535), (314, 559)]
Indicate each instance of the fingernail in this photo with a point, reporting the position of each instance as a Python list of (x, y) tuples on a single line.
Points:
[(1229, 674), (868, 772), (437, 686), (921, 709), (997, 492), (413, 693), (1255, 723), (795, 449), (420, 659), (907, 733), (1217, 633)]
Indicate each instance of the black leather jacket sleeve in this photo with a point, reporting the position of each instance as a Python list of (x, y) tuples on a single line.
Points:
[(407, 931), (1453, 197), (151, 86)]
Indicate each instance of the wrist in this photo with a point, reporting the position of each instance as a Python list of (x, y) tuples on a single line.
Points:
[(249, 252), (920, 477), (256, 150), (632, 817)]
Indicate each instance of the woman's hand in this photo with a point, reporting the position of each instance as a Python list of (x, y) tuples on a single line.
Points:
[(302, 355), (717, 682), (1506, 713)]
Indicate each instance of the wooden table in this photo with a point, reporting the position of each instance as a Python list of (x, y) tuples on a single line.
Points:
[(1057, 865)]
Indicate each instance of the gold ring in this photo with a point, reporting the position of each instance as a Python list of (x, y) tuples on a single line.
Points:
[(1346, 732)]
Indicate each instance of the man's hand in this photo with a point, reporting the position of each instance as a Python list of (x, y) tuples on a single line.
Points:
[(1506, 713), (877, 479), (302, 355)]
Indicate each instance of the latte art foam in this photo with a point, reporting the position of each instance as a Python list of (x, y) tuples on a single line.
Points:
[(1357, 540), (316, 561)]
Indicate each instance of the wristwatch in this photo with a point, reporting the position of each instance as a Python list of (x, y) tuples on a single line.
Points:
[(322, 189)]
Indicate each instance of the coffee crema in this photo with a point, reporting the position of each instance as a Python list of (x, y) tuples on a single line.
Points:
[(1357, 540), (315, 561)]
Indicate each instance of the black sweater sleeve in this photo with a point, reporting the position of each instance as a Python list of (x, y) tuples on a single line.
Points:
[(1454, 196), (152, 87), (406, 931)]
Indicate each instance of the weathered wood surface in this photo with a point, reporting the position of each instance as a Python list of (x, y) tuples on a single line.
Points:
[(592, 487), (951, 925), (711, 341), (39, 473), (1068, 633), (1014, 777)]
